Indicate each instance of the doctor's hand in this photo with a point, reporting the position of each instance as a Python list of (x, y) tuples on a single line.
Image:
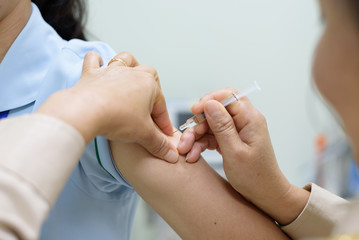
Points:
[(239, 132), (120, 103)]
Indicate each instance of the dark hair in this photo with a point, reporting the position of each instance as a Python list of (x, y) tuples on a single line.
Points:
[(67, 17), (353, 6)]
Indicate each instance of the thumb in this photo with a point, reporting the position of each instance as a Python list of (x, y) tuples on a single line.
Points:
[(159, 145), (92, 61), (222, 126)]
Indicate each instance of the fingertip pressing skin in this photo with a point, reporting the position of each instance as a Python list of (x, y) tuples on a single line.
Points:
[(172, 155), (194, 154), (186, 142), (159, 144), (206, 142), (175, 139), (190, 135)]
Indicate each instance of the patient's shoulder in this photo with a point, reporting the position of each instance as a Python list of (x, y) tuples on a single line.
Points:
[(65, 67), (80, 48)]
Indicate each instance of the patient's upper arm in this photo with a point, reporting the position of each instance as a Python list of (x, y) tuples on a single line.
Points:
[(192, 198)]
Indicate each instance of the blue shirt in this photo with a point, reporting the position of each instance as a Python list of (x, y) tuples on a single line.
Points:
[(97, 202)]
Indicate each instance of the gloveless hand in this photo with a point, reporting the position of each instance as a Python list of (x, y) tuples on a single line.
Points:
[(239, 132), (120, 103)]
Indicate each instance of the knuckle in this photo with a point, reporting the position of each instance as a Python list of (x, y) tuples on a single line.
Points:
[(204, 145), (208, 96), (241, 153), (159, 149), (259, 125), (199, 130), (212, 142), (155, 144), (149, 83), (201, 145), (91, 53), (237, 152), (153, 72), (126, 55), (152, 69), (230, 90), (208, 143), (224, 126), (260, 118)]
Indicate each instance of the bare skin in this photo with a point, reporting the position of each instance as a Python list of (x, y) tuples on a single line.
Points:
[(192, 198), (240, 133), (103, 89), (335, 69), (242, 137), (13, 18)]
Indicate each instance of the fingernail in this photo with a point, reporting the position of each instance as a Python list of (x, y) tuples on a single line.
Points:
[(171, 156), (212, 107)]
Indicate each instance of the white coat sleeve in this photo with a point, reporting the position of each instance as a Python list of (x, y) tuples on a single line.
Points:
[(37, 155), (322, 213)]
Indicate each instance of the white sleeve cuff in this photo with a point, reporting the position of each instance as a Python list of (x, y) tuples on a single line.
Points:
[(321, 213)]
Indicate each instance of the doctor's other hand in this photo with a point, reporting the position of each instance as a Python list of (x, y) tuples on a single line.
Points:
[(118, 102), (239, 132)]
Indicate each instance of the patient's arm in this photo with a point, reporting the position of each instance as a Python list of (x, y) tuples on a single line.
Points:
[(192, 198)]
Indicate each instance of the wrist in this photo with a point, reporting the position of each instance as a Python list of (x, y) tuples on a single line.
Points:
[(288, 206), (73, 109)]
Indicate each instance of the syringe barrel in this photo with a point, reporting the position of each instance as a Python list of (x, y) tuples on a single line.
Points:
[(196, 119), (237, 96)]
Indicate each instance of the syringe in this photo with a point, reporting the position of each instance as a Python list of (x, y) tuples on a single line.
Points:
[(196, 119)]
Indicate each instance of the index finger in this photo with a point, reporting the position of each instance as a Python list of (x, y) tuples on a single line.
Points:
[(151, 70), (92, 60), (219, 95), (159, 112)]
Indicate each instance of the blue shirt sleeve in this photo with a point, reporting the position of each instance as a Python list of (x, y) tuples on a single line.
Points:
[(97, 162)]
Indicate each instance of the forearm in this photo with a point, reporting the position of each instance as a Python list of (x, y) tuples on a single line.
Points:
[(38, 153), (192, 198), (286, 208), (74, 109)]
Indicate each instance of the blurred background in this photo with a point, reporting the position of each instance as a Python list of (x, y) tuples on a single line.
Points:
[(199, 46)]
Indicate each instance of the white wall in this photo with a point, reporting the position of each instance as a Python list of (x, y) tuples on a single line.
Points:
[(202, 45)]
